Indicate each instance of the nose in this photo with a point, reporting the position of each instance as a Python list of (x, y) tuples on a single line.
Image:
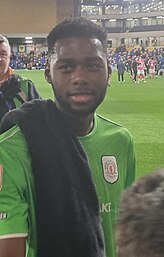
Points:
[(80, 76)]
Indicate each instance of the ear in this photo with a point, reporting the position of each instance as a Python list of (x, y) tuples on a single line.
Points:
[(47, 73)]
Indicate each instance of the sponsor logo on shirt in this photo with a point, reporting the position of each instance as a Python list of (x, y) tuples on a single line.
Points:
[(110, 170), (105, 207), (1, 176)]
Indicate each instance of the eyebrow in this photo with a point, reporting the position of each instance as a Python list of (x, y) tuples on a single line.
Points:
[(69, 60), (64, 60)]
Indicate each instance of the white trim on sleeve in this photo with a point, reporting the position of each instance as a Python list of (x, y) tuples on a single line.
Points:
[(14, 235)]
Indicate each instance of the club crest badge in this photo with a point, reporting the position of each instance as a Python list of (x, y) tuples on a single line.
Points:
[(110, 170), (1, 176)]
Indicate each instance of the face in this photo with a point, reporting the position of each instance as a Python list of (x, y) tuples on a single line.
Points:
[(78, 73), (4, 57)]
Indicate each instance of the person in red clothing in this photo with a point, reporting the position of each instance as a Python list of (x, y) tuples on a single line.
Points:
[(140, 69), (152, 64)]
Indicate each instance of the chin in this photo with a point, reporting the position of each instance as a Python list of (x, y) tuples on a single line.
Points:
[(82, 111)]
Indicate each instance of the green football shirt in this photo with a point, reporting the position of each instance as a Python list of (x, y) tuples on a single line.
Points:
[(111, 156), (17, 213)]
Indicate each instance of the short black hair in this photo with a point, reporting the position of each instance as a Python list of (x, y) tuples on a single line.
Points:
[(76, 27)]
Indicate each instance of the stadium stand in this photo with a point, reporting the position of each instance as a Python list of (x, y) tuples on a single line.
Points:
[(133, 26), (147, 28), (128, 21)]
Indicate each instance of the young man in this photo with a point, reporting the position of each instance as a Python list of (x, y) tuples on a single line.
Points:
[(140, 227), (14, 90), (47, 196)]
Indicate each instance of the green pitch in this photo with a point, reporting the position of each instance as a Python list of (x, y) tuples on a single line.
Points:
[(139, 107)]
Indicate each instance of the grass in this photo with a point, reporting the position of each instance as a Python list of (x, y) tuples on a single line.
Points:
[(37, 76), (139, 107)]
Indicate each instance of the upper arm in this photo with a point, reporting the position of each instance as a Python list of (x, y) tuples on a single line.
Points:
[(13, 199), (131, 164), (13, 247), (13, 203)]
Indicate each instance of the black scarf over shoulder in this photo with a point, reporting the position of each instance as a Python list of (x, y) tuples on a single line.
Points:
[(67, 210)]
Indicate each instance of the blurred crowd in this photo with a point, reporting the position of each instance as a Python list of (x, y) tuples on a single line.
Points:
[(126, 55), (37, 60), (31, 60)]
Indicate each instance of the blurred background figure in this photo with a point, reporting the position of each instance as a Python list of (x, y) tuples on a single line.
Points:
[(140, 69), (14, 89), (121, 70), (140, 226), (152, 64), (134, 70)]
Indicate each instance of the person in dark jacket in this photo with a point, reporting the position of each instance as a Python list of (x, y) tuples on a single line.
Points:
[(14, 89), (121, 70), (134, 68)]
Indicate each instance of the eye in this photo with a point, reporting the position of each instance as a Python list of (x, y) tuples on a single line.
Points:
[(65, 67), (94, 66), (3, 55)]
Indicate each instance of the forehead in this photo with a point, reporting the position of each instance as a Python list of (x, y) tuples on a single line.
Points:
[(4, 47), (78, 47)]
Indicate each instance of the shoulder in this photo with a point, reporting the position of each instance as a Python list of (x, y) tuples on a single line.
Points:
[(23, 79), (19, 80), (28, 87), (113, 127), (12, 142), (103, 120), (16, 168)]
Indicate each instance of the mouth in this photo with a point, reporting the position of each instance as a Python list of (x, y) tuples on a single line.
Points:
[(81, 97)]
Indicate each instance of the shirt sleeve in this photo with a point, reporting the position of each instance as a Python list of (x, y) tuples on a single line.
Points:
[(131, 164), (13, 203)]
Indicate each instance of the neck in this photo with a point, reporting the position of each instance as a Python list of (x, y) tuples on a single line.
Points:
[(81, 126)]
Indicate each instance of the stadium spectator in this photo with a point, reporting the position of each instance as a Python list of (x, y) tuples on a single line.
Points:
[(38, 59), (141, 69), (14, 89), (146, 70), (128, 65), (152, 64), (161, 59), (121, 70), (140, 226), (110, 72), (54, 173), (157, 67), (134, 69)]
